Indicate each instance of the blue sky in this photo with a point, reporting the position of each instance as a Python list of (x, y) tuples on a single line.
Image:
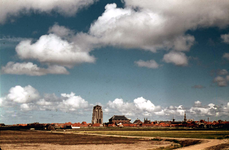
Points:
[(147, 59)]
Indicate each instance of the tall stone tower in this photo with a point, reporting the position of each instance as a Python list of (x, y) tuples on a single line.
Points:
[(97, 115), (185, 119)]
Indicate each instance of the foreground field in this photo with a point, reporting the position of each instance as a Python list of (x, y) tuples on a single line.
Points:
[(59, 141), (175, 134), (113, 140)]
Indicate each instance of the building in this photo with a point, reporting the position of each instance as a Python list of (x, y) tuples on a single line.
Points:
[(185, 119), (119, 119), (147, 121), (97, 115), (137, 121)]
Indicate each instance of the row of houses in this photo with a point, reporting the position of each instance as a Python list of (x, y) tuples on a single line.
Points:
[(123, 121)]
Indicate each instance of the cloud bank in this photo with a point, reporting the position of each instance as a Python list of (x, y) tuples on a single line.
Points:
[(140, 107), (28, 99), (16, 8)]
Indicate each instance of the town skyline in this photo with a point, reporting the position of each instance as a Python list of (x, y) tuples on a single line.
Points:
[(148, 59)]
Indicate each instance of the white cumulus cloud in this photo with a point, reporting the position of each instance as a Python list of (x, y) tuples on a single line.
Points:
[(144, 105), (199, 13), (52, 49), (147, 25), (22, 94), (148, 64), (197, 103), (25, 107), (226, 55), (221, 81), (24, 99), (72, 102), (227, 77), (183, 43), (225, 38), (177, 58), (1, 101), (223, 72), (209, 110), (152, 25), (61, 31), (27, 99), (18, 7), (43, 102), (143, 29), (139, 107), (32, 69), (118, 105)]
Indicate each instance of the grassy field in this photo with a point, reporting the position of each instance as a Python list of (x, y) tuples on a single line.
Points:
[(175, 134)]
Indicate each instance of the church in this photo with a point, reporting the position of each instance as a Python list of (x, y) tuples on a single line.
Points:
[(97, 115)]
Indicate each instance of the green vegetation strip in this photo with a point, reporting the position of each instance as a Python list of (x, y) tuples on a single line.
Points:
[(175, 134)]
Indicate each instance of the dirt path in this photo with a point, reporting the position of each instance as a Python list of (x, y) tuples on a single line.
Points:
[(206, 144)]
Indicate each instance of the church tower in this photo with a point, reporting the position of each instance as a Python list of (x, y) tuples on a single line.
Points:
[(185, 119), (97, 115)]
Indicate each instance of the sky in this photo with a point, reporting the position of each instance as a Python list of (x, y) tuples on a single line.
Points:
[(142, 59)]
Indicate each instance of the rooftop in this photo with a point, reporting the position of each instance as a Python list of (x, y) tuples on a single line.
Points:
[(116, 117)]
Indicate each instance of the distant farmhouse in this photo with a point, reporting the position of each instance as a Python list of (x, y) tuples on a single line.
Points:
[(119, 119), (97, 115)]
